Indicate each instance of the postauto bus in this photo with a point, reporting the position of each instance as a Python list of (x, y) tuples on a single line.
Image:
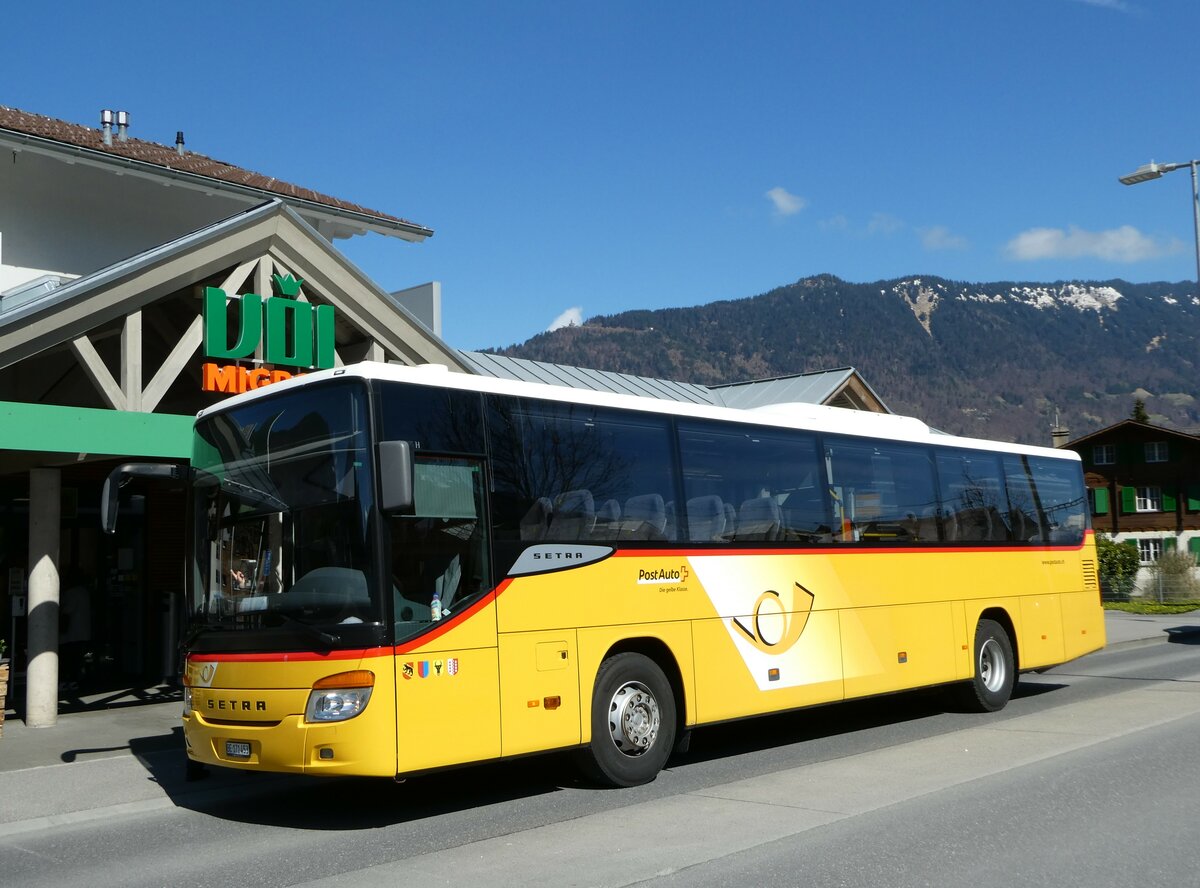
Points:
[(399, 569)]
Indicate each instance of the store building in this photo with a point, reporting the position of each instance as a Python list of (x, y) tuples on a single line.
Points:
[(125, 307)]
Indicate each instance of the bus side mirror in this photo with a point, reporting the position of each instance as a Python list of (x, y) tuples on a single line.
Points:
[(110, 497), (395, 476)]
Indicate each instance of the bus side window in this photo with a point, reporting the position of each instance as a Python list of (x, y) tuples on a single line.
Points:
[(751, 484), (882, 492), (1062, 499), (569, 473), (974, 504), (1022, 516)]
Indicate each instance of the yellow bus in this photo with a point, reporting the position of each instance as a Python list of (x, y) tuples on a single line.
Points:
[(400, 569)]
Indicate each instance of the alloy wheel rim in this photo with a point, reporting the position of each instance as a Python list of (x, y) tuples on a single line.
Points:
[(993, 671), (634, 718)]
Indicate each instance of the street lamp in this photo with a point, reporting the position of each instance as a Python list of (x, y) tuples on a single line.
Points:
[(1153, 170)]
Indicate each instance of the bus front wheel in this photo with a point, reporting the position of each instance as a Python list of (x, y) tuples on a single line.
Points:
[(995, 670), (633, 721)]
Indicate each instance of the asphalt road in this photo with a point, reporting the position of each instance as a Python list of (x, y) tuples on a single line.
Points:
[(1089, 777)]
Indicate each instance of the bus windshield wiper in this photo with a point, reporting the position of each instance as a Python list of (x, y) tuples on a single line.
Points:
[(198, 630), (250, 494), (253, 495), (308, 628)]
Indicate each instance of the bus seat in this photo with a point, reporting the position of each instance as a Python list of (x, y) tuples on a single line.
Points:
[(536, 521), (608, 519), (731, 521), (645, 518), (610, 511), (759, 518), (921, 527), (574, 516), (706, 518), (974, 525)]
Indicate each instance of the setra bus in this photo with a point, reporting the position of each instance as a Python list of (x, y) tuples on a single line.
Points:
[(399, 569)]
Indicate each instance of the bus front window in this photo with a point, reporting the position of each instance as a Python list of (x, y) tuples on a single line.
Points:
[(282, 498)]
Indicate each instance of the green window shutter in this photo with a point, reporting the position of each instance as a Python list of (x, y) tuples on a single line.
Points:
[(1194, 547), (1169, 544), (1131, 544), (1193, 498), (1168, 502), (1128, 500), (1101, 499)]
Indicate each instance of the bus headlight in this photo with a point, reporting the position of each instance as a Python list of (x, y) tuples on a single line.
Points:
[(339, 697), (187, 702)]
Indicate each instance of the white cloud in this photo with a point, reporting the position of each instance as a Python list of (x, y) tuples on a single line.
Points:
[(786, 203), (572, 317), (884, 223), (939, 237), (1115, 5), (1124, 244), (878, 225)]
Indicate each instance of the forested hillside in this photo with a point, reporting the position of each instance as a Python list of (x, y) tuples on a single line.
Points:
[(994, 360)]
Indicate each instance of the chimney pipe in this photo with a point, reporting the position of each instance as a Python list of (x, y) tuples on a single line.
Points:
[(106, 122), (123, 125), (179, 143), (1059, 434)]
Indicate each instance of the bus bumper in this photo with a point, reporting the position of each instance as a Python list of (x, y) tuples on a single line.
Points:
[(353, 747)]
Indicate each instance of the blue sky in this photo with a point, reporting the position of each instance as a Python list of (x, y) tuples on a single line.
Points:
[(580, 159)]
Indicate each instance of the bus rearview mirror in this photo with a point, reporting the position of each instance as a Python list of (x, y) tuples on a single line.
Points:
[(395, 476), (110, 497)]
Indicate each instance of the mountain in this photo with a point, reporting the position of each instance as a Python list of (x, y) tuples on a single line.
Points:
[(992, 360)]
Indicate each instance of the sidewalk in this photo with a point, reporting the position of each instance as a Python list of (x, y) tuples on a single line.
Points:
[(1124, 630), (131, 756)]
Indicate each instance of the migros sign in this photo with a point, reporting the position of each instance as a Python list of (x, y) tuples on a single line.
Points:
[(292, 334)]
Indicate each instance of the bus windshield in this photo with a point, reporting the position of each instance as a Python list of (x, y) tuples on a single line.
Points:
[(282, 498)]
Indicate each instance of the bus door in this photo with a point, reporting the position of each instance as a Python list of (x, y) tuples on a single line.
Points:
[(447, 677)]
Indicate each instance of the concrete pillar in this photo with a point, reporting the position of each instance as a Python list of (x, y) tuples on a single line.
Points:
[(41, 695)]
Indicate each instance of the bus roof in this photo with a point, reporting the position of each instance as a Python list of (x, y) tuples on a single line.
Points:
[(811, 417)]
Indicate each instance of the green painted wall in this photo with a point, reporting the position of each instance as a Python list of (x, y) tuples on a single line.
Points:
[(45, 427)]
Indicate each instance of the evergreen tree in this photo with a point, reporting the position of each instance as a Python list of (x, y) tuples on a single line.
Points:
[(1139, 413)]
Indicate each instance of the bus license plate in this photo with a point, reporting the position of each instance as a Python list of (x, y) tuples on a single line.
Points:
[(237, 749)]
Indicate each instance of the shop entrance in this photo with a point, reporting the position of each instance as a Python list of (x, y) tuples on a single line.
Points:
[(119, 595)]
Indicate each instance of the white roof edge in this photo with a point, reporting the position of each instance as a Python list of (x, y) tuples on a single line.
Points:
[(370, 221), (801, 411), (836, 420)]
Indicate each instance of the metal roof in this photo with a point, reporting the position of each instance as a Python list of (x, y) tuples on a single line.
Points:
[(808, 388), (503, 367)]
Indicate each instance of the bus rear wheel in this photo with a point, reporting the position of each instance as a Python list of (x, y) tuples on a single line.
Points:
[(995, 670), (633, 721)]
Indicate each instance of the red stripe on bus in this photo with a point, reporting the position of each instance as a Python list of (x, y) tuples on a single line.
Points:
[(292, 656), (446, 625), (835, 550)]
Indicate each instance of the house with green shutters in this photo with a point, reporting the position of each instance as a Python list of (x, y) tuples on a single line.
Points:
[(1144, 484)]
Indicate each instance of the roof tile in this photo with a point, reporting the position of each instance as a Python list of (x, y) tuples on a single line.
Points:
[(167, 157)]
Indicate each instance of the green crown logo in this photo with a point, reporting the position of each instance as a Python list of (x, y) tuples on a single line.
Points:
[(287, 285)]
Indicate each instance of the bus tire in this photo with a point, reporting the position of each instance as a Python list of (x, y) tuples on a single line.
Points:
[(633, 721), (995, 670)]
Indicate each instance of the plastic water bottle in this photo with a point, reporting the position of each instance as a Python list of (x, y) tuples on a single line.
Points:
[(435, 608)]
